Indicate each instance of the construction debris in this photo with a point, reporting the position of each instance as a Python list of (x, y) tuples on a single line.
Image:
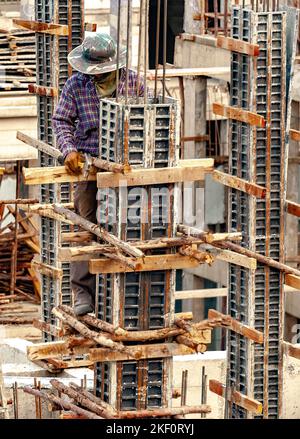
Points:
[(17, 60)]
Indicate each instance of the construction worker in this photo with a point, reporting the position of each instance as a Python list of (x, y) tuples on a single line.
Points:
[(76, 126)]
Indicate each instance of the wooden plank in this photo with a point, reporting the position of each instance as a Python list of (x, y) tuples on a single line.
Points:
[(201, 294), (235, 45), (292, 281), (239, 114), (239, 184), (43, 91), (148, 263), (238, 327), (90, 27), (34, 208), (235, 258), (45, 28), (292, 350), (144, 177), (247, 403), (295, 135), (215, 292), (47, 270), (143, 352), (57, 174), (293, 208)]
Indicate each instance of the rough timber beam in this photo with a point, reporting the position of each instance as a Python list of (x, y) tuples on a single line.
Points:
[(187, 170), (46, 351), (144, 177), (292, 350), (239, 114), (40, 90), (148, 263), (168, 262), (239, 184), (44, 28), (250, 404), (293, 208), (235, 45), (295, 135), (47, 270), (292, 281), (50, 175), (238, 327)]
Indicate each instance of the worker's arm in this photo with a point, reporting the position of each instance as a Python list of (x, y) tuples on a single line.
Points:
[(64, 121), (64, 126)]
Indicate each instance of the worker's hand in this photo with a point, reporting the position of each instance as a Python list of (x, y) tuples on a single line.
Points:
[(74, 163)]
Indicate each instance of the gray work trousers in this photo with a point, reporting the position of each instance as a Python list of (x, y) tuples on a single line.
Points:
[(82, 282)]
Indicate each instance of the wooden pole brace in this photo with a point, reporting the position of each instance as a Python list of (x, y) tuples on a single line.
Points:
[(295, 135), (247, 403), (239, 184), (293, 208), (47, 270), (239, 114), (44, 28), (40, 90), (235, 45), (291, 350), (41, 146), (238, 327)]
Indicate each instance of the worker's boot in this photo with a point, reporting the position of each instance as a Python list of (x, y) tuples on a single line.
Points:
[(82, 309)]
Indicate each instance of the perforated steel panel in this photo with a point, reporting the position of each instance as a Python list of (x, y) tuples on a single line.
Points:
[(53, 71), (144, 136), (259, 155)]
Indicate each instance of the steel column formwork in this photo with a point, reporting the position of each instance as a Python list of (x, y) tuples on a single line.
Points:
[(53, 71), (142, 135), (259, 155)]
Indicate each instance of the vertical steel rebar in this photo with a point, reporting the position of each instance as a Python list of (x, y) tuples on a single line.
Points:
[(204, 390), (165, 48), (157, 46), (129, 10), (138, 81), (184, 387), (118, 49), (16, 400), (146, 51), (14, 253)]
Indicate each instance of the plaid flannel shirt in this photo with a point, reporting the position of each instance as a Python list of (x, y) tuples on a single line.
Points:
[(76, 119)]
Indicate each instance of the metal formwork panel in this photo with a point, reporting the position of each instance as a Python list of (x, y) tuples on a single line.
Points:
[(53, 71), (144, 136), (257, 369)]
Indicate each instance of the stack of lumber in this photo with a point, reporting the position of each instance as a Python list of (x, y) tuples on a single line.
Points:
[(22, 313), (82, 404), (17, 60), (27, 286)]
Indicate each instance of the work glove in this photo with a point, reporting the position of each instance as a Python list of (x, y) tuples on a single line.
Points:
[(74, 163)]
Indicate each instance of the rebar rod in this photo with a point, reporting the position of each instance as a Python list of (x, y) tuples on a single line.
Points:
[(165, 48), (118, 50), (146, 51), (129, 10), (138, 82), (157, 46)]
